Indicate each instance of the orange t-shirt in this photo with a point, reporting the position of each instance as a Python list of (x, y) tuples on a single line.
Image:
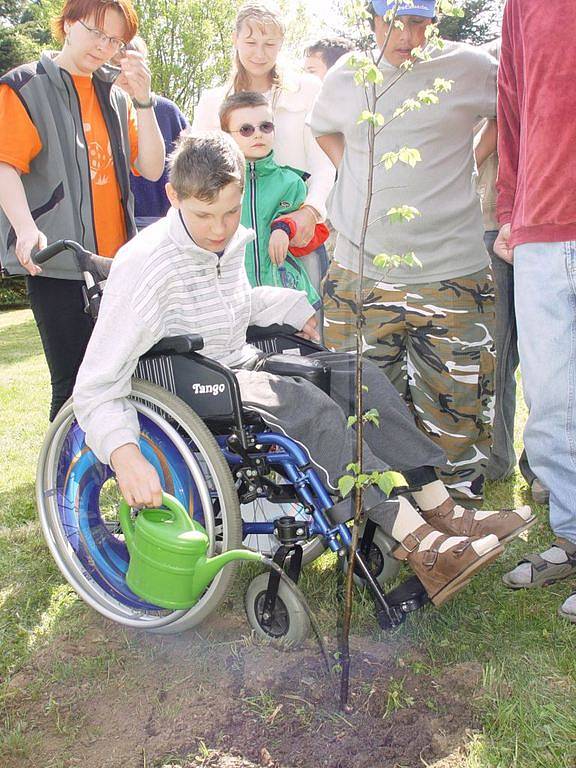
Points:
[(20, 143)]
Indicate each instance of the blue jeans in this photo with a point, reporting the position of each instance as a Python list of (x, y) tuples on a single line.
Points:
[(545, 300)]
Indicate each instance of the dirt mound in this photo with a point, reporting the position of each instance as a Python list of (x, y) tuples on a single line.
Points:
[(116, 699)]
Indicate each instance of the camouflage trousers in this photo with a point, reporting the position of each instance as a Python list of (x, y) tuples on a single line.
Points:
[(434, 342)]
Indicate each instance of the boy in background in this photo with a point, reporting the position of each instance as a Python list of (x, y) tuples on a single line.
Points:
[(272, 192), (324, 53)]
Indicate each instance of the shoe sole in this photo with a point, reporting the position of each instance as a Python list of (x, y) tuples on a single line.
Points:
[(464, 578), (511, 536)]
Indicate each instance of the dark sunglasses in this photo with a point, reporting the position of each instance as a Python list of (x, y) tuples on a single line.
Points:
[(248, 130)]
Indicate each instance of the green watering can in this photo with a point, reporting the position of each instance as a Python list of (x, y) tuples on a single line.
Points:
[(168, 563)]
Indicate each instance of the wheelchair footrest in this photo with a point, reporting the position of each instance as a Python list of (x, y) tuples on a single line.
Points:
[(392, 608), (408, 596)]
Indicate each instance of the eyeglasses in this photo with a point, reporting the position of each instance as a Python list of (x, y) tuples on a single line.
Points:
[(101, 37), (248, 130)]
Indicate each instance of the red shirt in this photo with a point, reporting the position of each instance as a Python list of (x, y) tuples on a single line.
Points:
[(537, 121)]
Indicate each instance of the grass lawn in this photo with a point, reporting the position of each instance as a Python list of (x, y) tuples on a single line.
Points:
[(528, 654)]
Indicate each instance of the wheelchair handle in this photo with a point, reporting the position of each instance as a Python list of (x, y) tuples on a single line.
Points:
[(57, 247), (97, 266)]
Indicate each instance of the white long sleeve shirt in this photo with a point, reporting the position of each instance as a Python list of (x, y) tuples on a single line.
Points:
[(162, 284)]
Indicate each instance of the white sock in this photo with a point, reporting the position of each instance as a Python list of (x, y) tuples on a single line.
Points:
[(431, 496), (480, 546), (407, 520)]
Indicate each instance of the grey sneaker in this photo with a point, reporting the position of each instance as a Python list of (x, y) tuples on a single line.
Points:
[(568, 609), (540, 493)]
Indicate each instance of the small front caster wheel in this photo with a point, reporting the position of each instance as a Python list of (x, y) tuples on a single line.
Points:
[(289, 625)]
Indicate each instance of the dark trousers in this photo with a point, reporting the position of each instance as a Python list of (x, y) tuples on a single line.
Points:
[(65, 329), (503, 458)]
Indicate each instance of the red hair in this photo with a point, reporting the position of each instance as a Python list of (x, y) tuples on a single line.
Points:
[(77, 10)]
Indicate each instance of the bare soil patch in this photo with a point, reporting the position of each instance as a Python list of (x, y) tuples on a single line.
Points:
[(117, 699)]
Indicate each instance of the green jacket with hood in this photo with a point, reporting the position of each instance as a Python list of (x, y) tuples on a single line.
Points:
[(273, 190)]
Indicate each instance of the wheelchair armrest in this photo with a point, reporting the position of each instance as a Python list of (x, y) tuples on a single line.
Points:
[(281, 338), (293, 365), (176, 345), (259, 332)]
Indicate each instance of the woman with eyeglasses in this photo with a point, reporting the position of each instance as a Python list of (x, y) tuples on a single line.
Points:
[(258, 38), (68, 139)]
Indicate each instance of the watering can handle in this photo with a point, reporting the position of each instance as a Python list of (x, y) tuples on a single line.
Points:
[(174, 506), (126, 523)]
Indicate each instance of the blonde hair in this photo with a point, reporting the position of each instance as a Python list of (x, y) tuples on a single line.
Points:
[(260, 15)]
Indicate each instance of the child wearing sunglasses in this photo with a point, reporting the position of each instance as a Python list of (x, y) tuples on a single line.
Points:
[(272, 193)]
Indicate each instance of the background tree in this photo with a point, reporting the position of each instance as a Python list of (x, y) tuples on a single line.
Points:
[(189, 44), (479, 24), (25, 30)]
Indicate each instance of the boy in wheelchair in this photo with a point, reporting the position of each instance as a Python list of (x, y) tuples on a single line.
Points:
[(185, 274)]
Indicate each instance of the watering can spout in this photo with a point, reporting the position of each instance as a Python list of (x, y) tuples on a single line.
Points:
[(208, 568)]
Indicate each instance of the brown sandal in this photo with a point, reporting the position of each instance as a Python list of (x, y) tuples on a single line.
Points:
[(506, 524), (443, 574)]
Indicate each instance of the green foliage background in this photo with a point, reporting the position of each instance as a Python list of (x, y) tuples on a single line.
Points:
[(480, 23)]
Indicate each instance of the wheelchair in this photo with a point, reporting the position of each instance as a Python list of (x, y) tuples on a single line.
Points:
[(246, 484)]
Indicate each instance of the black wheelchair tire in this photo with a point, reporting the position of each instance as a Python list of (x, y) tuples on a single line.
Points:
[(293, 625)]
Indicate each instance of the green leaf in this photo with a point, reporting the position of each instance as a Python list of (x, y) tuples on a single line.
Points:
[(409, 156), (351, 421), (427, 96), (371, 117), (390, 159), (402, 213), (345, 485), (442, 86), (372, 416), (384, 261), (389, 480), (411, 260), (388, 261), (353, 467)]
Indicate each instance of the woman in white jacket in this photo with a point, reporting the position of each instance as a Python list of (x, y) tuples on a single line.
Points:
[(258, 39)]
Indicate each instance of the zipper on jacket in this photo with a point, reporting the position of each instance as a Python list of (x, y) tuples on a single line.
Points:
[(67, 85), (218, 270), (252, 168)]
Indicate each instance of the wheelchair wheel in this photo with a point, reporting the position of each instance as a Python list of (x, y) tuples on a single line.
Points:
[(383, 566), (262, 510), (77, 502), (290, 625)]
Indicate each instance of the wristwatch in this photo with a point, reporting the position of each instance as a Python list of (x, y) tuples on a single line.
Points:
[(150, 104)]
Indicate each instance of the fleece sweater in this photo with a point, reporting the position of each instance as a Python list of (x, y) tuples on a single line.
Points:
[(448, 235), (162, 284), (536, 119)]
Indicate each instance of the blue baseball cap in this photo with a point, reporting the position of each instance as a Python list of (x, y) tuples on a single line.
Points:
[(426, 8)]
